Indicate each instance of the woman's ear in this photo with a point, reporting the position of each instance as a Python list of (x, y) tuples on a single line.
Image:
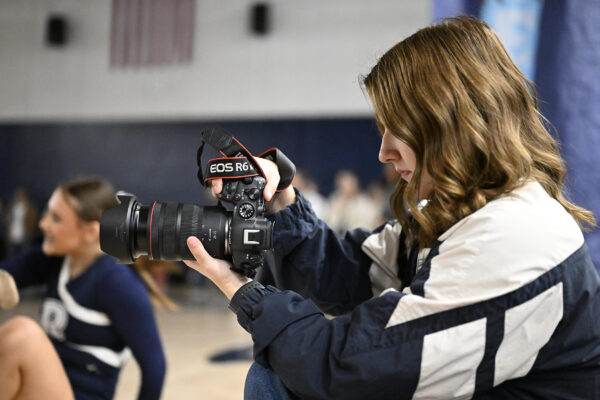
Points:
[(91, 231)]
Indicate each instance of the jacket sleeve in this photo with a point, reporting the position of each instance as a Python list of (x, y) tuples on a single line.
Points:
[(125, 300), (31, 268), (348, 357), (316, 262)]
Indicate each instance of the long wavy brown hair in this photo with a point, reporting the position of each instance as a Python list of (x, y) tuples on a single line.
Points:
[(452, 93)]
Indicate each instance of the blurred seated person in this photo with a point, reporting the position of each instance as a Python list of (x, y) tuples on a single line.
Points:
[(21, 222), (349, 208), (309, 188), (96, 312)]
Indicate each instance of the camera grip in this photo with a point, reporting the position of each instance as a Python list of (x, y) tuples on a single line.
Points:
[(287, 169)]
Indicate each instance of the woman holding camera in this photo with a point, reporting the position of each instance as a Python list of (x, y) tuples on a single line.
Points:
[(481, 287), (95, 312)]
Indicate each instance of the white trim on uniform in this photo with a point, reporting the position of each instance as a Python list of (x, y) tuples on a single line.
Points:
[(104, 354), (84, 314), (93, 317)]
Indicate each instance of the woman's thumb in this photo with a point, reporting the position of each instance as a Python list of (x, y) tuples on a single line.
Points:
[(196, 248)]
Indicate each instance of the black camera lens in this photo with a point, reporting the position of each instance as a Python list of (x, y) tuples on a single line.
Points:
[(160, 230)]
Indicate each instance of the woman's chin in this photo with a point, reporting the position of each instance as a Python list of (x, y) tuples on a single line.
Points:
[(50, 250)]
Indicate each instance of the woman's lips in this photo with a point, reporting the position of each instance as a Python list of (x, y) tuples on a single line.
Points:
[(405, 175)]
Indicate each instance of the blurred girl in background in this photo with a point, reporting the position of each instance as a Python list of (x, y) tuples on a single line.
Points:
[(95, 312)]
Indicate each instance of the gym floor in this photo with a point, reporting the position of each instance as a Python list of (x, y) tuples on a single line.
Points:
[(202, 328)]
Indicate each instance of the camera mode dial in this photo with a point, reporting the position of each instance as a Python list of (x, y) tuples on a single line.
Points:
[(246, 210)]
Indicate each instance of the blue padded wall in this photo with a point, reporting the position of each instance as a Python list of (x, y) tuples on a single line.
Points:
[(157, 161)]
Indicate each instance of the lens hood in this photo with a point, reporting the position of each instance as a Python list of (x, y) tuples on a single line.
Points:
[(115, 228)]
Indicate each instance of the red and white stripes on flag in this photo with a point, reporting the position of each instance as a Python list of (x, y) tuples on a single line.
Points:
[(151, 32)]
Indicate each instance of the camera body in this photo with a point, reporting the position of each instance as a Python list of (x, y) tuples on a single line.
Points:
[(160, 230), (250, 231)]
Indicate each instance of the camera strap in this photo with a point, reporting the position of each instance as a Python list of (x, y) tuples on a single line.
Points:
[(237, 162), (228, 168)]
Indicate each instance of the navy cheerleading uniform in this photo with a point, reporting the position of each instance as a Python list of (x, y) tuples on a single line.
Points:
[(95, 321)]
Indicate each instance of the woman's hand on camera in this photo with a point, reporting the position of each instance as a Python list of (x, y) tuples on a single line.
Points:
[(215, 269), (275, 201)]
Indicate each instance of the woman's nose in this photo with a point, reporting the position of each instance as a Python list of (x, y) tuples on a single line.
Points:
[(382, 158), (41, 224), (385, 152)]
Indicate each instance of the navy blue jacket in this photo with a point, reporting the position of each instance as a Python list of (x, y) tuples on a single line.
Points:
[(505, 305), (95, 321)]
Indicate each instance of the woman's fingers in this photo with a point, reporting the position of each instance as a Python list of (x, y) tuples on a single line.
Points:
[(218, 271), (216, 187), (196, 248), (272, 176), (204, 263)]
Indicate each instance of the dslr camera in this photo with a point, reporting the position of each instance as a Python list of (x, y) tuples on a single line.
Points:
[(160, 230)]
